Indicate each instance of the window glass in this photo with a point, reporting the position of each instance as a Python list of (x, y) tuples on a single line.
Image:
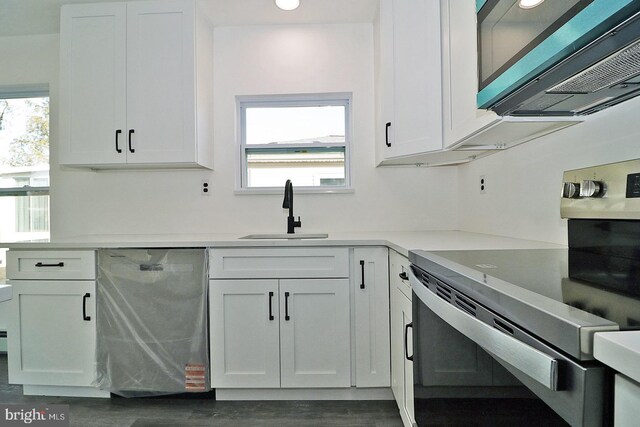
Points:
[(24, 169), (304, 140), (306, 167), (295, 125)]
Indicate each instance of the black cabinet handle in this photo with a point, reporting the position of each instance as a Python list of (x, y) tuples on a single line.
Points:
[(406, 333), (362, 269), (286, 306), (118, 149), (403, 275), (271, 306), (131, 131), (386, 134), (60, 264), (84, 307)]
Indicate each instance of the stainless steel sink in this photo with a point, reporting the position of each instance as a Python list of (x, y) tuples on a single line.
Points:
[(296, 236)]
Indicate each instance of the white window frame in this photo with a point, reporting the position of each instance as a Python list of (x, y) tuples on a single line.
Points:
[(291, 100), (27, 91)]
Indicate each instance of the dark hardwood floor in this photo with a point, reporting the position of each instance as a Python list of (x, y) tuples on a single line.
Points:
[(175, 412)]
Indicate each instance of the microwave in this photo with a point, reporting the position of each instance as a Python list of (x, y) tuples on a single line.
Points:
[(557, 58)]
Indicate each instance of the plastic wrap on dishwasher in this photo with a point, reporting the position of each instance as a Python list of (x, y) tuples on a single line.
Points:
[(152, 321)]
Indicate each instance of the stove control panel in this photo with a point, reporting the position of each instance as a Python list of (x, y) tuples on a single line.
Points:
[(610, 191)]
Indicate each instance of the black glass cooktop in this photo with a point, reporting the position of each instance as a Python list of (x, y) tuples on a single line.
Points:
[(603, 286)]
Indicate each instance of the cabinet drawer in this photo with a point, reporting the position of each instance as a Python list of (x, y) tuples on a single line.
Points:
[(399, 264), (47, 265), (278, 263)]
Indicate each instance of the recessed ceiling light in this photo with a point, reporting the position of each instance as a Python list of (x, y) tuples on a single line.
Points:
[(529, 4), (288, 4)]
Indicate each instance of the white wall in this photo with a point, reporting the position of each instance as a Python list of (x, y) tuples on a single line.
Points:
[(523, 183), (258, 60)]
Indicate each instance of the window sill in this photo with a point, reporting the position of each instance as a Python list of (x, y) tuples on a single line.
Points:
[(296, 190)]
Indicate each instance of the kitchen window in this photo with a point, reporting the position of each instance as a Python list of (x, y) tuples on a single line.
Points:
[(24, 165), (304, 138)]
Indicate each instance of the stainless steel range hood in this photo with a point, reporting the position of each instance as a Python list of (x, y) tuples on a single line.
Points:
[(603, 73)]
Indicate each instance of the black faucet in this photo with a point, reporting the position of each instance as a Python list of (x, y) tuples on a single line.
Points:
[(288, 203)]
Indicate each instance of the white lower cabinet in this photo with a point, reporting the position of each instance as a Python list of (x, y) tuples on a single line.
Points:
[(288, 333), (401, 338), (245, 333), (627, 401), (370, 283), (52, 333)]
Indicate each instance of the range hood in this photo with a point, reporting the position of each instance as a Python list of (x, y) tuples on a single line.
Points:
[(601, 67)]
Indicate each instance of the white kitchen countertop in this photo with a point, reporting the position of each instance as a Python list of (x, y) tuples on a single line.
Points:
[(6, 292), (620, 351), (400, 241)]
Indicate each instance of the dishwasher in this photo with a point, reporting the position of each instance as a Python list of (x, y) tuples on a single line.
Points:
[(152, 322)]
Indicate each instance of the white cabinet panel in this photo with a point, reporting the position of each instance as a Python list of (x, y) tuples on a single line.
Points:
[(52, 333), (315, 344), (278, 263), (244, 332), (133, 92), (409, 78), (417, 125), (93, 83), (280, 333), (401, 339), (370, 278), (160, 81), (460, 72), (627, 402), (51, 265)]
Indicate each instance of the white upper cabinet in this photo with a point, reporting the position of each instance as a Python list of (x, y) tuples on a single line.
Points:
[(465, 126), (135, 85), (408, 78), (460, 72)]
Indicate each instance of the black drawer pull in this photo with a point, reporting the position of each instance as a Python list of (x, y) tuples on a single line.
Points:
[(406, 348), (386, 134), (286, 306), (131, 131), (403, 275), (118, 149), (60, 264), (84, 307), (362, 269), (271, 306)]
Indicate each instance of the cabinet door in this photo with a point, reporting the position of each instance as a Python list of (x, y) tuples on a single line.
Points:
[(52, 333), (407, 412), (397, 347), (401, 367), (417, 124), (370, 280), (314, 333), (384, 81), (160, 82), (461, 116), (244, 333), (93, 84)]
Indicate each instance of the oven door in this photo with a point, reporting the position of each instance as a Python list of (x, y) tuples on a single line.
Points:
[(473, 367)]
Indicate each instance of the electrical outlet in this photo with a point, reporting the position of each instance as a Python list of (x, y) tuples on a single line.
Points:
[(205, 188), (483, 184)]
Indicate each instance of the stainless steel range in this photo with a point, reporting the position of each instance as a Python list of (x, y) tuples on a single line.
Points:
[(505, 337)]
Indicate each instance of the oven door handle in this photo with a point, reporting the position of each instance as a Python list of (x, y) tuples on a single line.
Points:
[(530, 361)]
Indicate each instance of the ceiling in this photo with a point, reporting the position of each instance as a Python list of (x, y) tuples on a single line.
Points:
[(23, 17)]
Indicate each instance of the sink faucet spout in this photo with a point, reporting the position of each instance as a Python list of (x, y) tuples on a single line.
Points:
[(287, 203)]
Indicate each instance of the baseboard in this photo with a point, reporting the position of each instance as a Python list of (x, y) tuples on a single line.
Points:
[(64, 391), (352, 393)]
